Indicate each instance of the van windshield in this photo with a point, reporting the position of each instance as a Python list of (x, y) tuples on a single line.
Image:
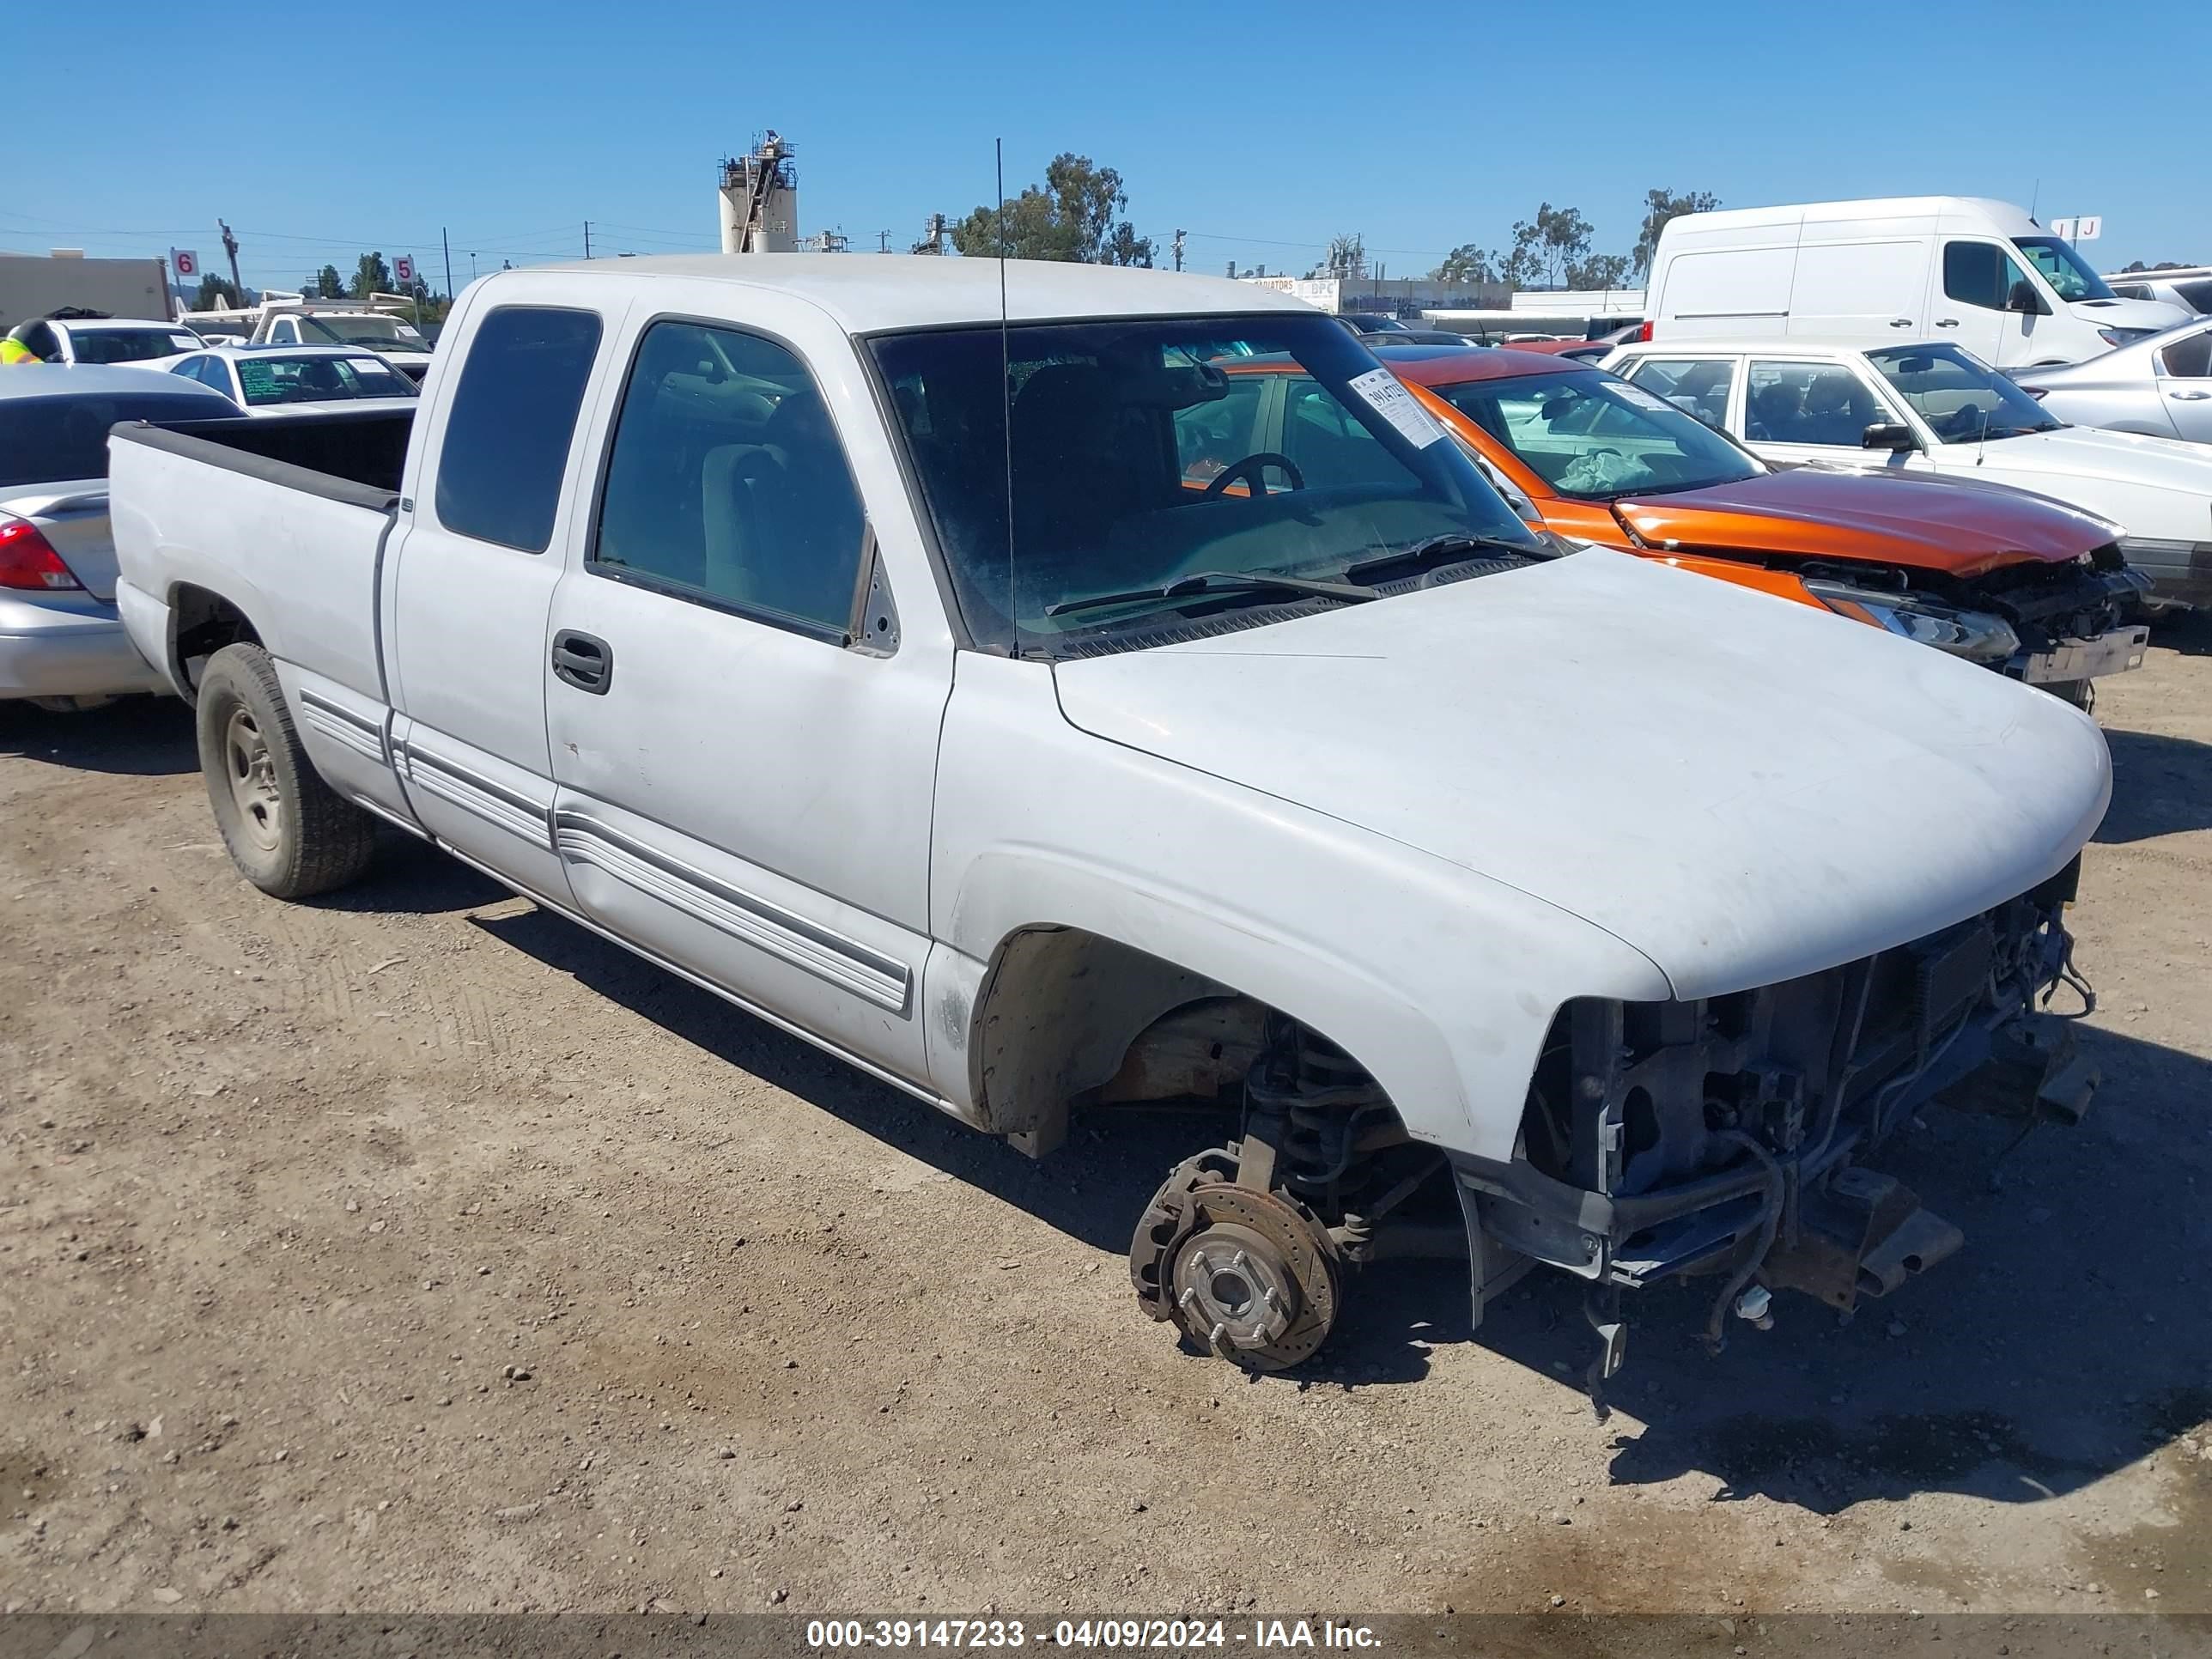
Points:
[(1595, 437), (1146, 452), (2063, 269)]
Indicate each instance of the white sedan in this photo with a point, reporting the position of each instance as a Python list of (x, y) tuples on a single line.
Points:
[(291, 379), (1935, 409)]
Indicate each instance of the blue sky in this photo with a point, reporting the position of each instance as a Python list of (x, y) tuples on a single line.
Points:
[(1260, 129)]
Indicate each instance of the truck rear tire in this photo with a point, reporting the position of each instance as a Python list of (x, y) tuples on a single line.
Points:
[(287, 832)]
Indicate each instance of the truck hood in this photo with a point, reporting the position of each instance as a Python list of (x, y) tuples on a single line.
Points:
[(1811, 513), (1743, 790)]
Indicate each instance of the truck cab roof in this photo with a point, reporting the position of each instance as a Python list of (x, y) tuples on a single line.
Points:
[(908, 291)]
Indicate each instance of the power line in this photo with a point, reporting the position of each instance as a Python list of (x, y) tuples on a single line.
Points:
[(1264, 241)]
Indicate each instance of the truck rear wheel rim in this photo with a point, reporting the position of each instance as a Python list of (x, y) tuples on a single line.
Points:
[(252, 773)]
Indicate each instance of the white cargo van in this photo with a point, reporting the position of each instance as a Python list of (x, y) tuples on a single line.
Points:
[(1959, 268)]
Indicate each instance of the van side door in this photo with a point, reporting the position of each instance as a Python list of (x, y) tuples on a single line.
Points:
[(484, 510), (1869, 291), (744, 738), (1972, 284)]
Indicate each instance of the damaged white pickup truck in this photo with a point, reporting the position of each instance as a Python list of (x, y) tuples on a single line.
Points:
[(960, 691)]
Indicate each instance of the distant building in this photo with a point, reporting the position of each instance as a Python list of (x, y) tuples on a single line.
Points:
[(1567, 312), (1408, 297)]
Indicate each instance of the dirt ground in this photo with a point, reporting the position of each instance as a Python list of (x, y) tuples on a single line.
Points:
[(417, 1250)]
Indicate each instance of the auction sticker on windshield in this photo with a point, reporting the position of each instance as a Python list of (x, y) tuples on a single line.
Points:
[(1386, 394), (1640, 398)]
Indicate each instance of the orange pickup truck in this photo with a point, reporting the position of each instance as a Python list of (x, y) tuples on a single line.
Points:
[(2030, 587)]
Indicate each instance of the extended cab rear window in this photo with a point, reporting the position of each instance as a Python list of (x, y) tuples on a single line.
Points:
[(513, 417)]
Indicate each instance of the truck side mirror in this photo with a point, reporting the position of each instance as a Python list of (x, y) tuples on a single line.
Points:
[(2024, 298), (1888, 434)]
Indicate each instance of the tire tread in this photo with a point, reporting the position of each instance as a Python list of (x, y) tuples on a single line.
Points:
[(330, 840)]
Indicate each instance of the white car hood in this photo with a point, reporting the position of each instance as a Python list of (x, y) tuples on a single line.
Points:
[(2090, 453), (1742, 788)]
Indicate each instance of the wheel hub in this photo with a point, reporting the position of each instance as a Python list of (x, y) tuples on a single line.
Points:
[(1252, 1276), (252, 772), (1232, 1285)]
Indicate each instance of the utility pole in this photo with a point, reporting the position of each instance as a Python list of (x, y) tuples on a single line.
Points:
[(1178, 250), (883, 241), (588, 239), (447, 246), (230, 246)]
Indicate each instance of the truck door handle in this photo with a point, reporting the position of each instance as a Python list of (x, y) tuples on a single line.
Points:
[(2188, 396), (1900, 322), (583, 661), (1947, 322)]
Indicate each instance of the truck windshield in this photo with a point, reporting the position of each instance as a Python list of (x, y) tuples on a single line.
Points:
[(1962, 401), (2062, 268), (1596, 438), (1147, 451), (129, 345), (380, 333), (54, 440)]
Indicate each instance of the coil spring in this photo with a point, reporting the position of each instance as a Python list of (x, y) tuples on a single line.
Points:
[(1310, 1100)]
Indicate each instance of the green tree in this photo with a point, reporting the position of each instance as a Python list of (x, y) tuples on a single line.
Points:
[(216, 294), (1598, 270), (1467, 264), (1075, 215), (1544, 246), (372, 275), (328, 285), (1660, 206)]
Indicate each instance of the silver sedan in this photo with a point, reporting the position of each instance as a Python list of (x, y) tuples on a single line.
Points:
[(2160, 386), (62, 643)]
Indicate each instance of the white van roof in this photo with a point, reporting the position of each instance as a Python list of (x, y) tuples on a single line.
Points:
[(1936, 213)]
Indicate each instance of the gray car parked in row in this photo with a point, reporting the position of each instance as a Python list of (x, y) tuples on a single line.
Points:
[(62, 644), (2160, 386)]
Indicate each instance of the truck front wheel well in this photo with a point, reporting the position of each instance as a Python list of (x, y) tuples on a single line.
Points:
[(1067, 1018), (201, 624)]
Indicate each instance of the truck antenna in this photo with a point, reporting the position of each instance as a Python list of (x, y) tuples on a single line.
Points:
[(1006, 401)]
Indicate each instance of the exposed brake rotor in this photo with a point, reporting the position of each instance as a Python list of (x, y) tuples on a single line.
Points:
[(1252, 1276)]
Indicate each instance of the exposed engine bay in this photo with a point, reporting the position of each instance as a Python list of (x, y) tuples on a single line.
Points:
[(2054, 625), (1720, 1137)]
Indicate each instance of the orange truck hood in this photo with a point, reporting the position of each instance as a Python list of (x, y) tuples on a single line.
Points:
[(1962, 529)]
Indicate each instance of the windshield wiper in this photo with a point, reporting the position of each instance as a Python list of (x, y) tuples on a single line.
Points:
[(1220, 581), (1439, 549)]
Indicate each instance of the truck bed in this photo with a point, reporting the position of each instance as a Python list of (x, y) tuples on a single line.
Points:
[(285, 518)]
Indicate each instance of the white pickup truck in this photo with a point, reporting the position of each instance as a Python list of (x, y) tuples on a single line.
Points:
[(951, 688)]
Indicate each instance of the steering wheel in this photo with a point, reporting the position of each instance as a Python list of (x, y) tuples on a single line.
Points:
[(1252, 470)]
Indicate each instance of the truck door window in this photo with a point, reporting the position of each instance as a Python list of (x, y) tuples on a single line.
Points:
[(514, 417), (1326, 444), (1979, 274), (1210, 436), (726, 482)]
